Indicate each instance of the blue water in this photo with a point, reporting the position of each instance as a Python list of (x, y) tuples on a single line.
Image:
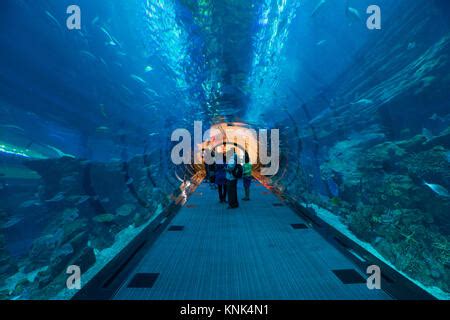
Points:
[(84, 111)]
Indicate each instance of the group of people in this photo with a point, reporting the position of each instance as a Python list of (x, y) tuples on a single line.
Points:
[(224, 176)]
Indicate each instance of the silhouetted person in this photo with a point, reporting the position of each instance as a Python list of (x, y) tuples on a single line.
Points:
[(205, 165), (247, 177), (221, 179), (212, 171), (232, 181)]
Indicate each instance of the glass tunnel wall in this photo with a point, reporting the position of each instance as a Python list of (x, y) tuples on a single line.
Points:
[(86, 119), (85, 126), (369, 153)]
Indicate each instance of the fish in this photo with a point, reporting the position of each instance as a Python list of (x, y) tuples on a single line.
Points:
[(129, 181), (53, 19), (10, 126), (411, 45), (65, 250), (138, 79), (71, 213), (438, 189), (436, 117), (102, 110), (323, 115), (321, 42), (60, 153), (148, 95), (30, 203), (128, 90), (88, 55), (318, 7), (151, 92), (102, 129), (95, 20), (148, 68), (447, 156), (427, 134), (12, 222), (106, 33), (353, 13), (363, 102), (83, 199), (104, 62), (112, 41), (57, 198)]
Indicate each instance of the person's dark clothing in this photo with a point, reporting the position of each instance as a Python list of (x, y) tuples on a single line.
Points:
[(220, 174), (206, 173), (221, 181), (247, 183), (212, 173), (222, 192), (232, 183), (232, 193)]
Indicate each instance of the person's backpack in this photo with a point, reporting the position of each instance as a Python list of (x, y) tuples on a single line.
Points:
[(237, 171)]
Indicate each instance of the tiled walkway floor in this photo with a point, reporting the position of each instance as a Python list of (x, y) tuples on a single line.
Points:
[(249, 253)]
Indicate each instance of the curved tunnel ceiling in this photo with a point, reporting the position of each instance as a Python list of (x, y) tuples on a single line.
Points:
[(164, 64)]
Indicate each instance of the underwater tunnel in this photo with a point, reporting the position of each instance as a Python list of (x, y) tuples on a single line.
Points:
[(120, 120)]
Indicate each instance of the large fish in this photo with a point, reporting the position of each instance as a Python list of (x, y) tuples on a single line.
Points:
[(438, 189)]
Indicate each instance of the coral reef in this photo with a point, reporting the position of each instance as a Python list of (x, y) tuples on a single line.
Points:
[(83, 206), (383, 199), (7, 265)]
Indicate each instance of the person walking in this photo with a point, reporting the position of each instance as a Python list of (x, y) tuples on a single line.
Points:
[(212, 171), (233, 202), (247, 177), (221, 179)]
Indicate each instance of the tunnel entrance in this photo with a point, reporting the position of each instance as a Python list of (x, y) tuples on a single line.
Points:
[(222, 140)]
